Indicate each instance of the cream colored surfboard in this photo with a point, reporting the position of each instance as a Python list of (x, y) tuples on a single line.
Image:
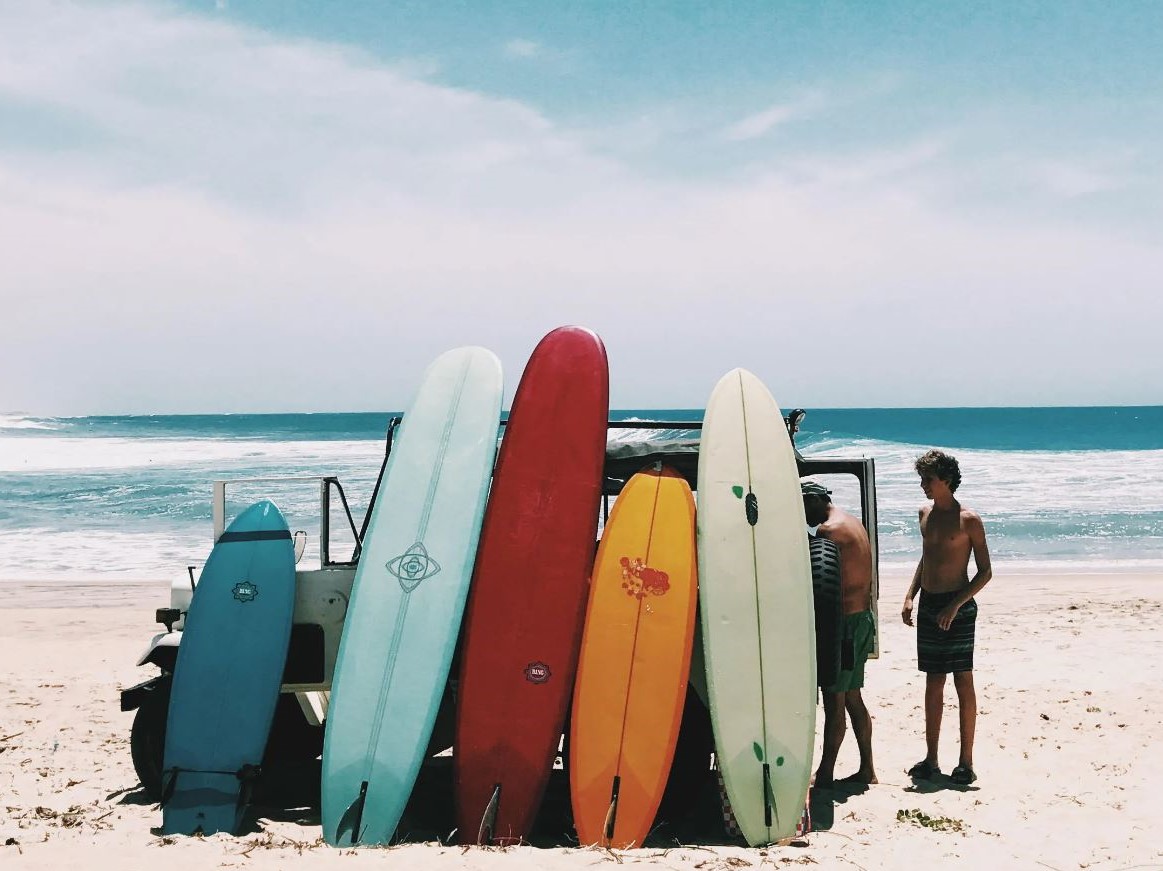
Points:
[(755, 595)]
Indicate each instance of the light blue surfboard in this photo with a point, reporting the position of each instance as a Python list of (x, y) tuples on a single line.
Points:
[(228, 673), (408, 597)]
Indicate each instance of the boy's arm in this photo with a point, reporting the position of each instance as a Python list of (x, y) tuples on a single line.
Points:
[(914, 587), (976, 530)]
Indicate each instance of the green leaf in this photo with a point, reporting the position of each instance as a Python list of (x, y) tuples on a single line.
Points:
[(758, 750), (738, 491)]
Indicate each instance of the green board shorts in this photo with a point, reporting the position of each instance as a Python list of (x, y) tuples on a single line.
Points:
[(858, 641)]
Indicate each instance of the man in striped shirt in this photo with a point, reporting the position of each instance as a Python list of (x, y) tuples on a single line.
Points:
[(946, 619)]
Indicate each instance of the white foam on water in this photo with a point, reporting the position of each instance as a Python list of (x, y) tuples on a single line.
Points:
[(1021, 484), (79, 554), (16, 420), (87, 554), (65, 454), (1085, 510), (1018, 567)]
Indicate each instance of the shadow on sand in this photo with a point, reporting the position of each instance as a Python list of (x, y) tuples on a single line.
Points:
[(822, 802)]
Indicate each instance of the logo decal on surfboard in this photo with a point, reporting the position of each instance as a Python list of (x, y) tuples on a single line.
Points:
[(537, 672), (751, 506), (245, 591), (413, 566), (640, 581)]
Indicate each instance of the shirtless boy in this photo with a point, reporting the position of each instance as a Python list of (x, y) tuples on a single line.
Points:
[(850, 537), (946, 620)]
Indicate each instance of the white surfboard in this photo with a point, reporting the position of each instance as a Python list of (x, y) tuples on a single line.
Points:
[(755, 594)]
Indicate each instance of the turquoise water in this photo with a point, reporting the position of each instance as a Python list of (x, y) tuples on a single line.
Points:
[(129, 496)]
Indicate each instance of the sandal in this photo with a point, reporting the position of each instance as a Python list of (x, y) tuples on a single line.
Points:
[(962, 775), (924, 770)]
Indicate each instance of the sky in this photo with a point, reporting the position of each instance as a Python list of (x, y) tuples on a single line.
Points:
[(282, 205)]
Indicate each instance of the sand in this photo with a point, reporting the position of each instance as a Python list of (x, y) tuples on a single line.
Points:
[(1070, 722)]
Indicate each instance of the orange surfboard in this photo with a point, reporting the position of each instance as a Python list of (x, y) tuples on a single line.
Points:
[(635, 660)]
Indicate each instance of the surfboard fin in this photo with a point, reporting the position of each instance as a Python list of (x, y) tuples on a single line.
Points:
[(169, 784), (489, 817), (612, 811), (769, 805), (352, 819), (247, 775)]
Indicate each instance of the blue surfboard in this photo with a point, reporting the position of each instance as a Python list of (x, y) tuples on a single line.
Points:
[(228, 672), (408, 598)]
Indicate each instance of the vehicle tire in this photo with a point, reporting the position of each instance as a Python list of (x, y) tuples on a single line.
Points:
[(147, 737), (829, 608)]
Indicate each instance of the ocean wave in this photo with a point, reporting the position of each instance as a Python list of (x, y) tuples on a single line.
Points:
[(23, 422), (78, 496)]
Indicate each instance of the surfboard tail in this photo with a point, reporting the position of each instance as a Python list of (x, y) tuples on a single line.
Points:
[(205, 802)]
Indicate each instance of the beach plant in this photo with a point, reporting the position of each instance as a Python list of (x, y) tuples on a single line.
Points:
[(938, 824)]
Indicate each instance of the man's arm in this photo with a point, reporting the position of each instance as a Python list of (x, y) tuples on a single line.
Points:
[(976, 532)]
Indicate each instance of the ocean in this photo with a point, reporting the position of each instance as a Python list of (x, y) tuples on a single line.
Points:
[(128, 497)]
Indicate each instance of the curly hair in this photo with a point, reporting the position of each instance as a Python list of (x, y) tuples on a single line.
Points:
[(941, 465)]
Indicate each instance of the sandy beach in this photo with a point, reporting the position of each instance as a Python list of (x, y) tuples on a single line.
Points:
[(1069, 721)]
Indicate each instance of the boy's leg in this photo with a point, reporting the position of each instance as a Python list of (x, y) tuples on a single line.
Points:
[(934, 704), (967, 708)]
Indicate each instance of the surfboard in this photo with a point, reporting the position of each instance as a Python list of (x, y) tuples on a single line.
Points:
[(635, 659), (228, 673), (755, 596), (408, 598), (525, 611)]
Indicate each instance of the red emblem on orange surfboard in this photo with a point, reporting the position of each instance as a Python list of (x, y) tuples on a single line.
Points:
[(640, 581)]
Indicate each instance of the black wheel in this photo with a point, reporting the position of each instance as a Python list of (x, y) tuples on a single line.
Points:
[(829, 608), (147, 737)]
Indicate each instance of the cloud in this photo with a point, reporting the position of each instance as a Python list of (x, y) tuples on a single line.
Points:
[(760, 124), (1070, 179), (239, 222), (522, 48)]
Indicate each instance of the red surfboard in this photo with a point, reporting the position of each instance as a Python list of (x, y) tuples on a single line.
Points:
[(529, 590)]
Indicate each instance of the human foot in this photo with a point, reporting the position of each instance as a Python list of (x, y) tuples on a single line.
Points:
[(963, 775), (924, 770), (861, 777)]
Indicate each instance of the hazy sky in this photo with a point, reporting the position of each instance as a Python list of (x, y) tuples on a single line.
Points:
[(283, 205)]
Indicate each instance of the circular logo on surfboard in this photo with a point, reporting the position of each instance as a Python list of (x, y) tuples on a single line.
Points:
[(413, 566), (245, 591), (537, 672)]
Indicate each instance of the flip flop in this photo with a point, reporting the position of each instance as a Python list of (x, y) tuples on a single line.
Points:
[(962, 775), (924, 770)]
